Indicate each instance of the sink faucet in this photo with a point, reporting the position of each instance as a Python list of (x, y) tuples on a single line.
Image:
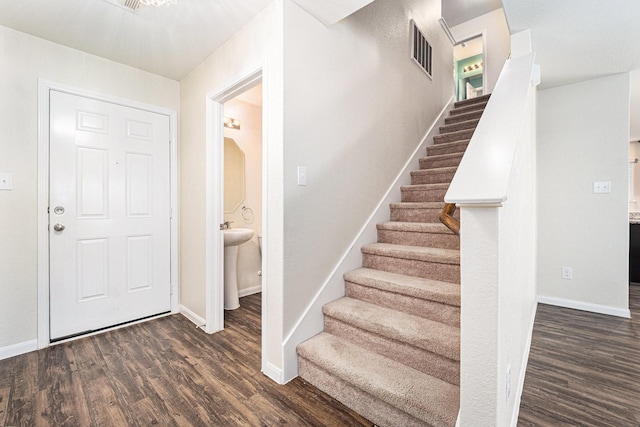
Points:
[(225, 225)]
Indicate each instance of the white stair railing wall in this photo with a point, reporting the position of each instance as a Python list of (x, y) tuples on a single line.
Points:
[(495, 189)]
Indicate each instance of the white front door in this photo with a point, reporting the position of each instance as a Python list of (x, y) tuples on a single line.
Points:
[(109, 214)]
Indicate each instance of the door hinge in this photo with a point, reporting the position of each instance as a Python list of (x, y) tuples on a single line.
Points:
[(170, 213)]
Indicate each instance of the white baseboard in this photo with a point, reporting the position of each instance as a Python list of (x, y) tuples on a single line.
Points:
[(273, 372), (523, 370), (249, 291), (311, 321), (197, 320), (585, 306), (18, 349)]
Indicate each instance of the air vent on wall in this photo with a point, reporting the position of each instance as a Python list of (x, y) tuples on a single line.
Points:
[(128, 5), (421, 50)]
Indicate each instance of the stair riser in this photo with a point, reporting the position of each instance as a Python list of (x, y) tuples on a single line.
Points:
[(468, 109), (414, 238), (422, 360), (453, 136), (435, 195), (436, 150), (432, 178), (436, 162), (418, 215), (428, 309), (373, 409), (474, 115), (411, 267), (459, 126)]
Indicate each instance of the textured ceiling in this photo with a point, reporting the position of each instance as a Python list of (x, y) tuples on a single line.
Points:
[(578, 40), (458, 11), (169, 41)]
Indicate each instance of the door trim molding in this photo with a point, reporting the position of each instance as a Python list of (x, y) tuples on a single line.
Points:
[(44, 89), (214, 242)]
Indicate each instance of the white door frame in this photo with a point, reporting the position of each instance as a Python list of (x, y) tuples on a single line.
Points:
[(214, 245), (44, 88)]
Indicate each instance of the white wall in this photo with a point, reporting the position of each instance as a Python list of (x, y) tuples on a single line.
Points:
[(25, 59), (356, 107), (583, 136), (249, 139), (498, 42)]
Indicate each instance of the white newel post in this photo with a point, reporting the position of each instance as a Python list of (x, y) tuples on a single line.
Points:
[(479, 336)]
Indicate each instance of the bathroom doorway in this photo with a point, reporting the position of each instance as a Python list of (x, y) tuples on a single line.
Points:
[(469, 68), (215, 194), (243, 194)]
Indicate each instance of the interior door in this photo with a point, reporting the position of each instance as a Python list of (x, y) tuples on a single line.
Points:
[(109, 214)]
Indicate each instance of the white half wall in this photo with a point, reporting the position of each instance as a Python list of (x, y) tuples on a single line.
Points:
[(25, 59), (583, 136)]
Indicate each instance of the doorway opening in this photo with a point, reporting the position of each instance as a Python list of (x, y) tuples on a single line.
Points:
[(247, 210), (242, 196), (469, 68)]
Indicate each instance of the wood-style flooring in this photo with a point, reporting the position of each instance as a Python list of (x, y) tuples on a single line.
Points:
[(584, 369), (163, 372)]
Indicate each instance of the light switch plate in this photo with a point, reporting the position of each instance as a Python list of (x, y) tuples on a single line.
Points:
[(6, 181), (302, 175)]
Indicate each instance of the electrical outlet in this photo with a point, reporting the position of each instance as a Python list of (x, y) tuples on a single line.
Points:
[(567, 273), (602, 187)]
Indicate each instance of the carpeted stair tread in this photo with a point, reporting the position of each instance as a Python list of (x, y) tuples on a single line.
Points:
[(402, 327), (448, 148), (463, 117), (417, 234), (416, 287), (441, 161), (426, 398), (417, 205), (442, 157), (417, 211), (435, 171), (453, 136), (424, 187), (433, 175), (417, 227), (453, 127), (417, 253), (468, 108), (476, 100)]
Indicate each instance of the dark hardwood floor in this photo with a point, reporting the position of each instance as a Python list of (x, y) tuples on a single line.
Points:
[(163, 372), (584, 369)]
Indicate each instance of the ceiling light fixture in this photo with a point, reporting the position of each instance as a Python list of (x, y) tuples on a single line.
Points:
[(231, 123), (158, 3)]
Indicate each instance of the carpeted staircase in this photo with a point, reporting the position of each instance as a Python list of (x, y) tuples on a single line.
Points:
[(390, 349)]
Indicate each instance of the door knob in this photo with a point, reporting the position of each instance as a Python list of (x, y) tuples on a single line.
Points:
[(58, 227)]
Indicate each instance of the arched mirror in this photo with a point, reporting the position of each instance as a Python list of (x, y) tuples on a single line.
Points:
[(233, 175)]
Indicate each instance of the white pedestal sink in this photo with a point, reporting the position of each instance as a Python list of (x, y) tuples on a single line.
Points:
[(233, 237)]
